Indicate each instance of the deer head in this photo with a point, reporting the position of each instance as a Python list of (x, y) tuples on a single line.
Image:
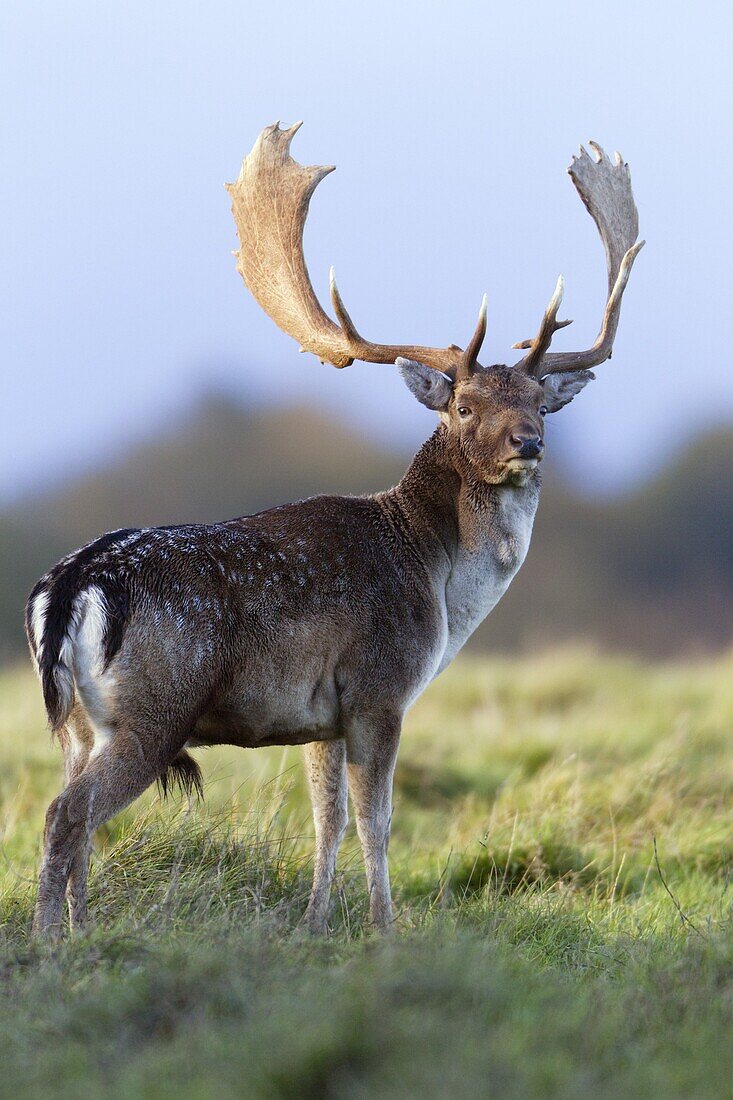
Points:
[(494, 415)]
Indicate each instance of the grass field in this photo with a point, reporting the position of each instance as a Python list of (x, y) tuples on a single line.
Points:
[(540, 950)]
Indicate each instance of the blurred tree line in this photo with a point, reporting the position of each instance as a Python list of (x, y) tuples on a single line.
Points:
[(650, 573)]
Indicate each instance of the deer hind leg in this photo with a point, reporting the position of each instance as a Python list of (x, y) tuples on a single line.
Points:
[(80, 739), (371, 748), (325, 763), (111, 780)]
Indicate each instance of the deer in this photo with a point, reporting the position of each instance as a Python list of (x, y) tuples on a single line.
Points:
[(316, 623)]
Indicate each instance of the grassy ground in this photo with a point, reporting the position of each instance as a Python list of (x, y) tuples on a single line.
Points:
[(539, 952)]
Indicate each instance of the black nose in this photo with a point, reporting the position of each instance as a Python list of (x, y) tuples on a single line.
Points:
[(528, 446)]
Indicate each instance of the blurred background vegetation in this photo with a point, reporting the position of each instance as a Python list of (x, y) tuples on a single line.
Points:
[(649, 573)]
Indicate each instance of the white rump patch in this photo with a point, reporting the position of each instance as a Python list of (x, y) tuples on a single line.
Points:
[(38, 624), (83, 652), (90, 612)]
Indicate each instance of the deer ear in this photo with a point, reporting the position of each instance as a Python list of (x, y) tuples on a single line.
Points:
[(431, 387), (560, 389)]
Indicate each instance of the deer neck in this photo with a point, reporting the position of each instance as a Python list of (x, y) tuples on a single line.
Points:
[(471, 536)]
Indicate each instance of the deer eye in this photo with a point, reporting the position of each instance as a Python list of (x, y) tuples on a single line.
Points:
[(463, 411), (543, 410)]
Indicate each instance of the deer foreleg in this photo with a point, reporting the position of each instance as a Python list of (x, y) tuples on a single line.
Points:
[(326, 769), (371, 748)]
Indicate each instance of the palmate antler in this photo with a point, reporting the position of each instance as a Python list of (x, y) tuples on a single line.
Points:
[(605, 188), (270, 204)]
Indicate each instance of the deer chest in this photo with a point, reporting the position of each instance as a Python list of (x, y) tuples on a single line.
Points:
[(482, 572)]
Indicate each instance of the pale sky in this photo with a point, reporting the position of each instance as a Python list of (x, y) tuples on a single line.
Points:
[(451, 126)]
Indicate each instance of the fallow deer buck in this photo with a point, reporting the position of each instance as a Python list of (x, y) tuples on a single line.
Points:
[(316, 623)]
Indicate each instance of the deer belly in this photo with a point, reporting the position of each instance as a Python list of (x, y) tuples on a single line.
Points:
[(280, 713)]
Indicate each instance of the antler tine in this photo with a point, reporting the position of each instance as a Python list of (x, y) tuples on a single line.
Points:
[(270, 203), (347, 325), (550, 324), (469, 361), (605, 189)]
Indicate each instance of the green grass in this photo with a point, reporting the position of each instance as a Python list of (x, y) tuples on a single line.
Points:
[(538, 951)]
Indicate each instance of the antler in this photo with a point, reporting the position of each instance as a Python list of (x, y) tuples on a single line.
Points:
[(605, 188), (270, 204)]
